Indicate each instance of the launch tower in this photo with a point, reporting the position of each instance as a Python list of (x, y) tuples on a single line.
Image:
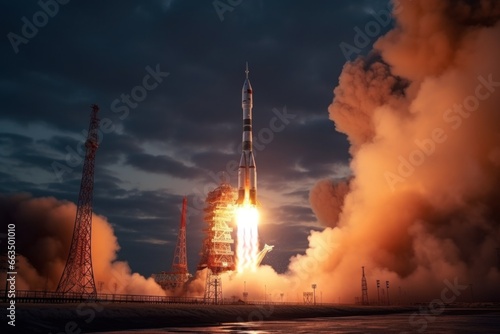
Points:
[(78, 274), (217, 255), (178, 274)]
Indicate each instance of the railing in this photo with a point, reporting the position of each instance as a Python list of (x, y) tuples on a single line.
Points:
[(27, 296), (48, 297)]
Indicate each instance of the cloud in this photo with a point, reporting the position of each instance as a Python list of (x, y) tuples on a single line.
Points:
[(161, 164), (153, 241)]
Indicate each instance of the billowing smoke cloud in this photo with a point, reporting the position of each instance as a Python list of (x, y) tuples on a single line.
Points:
[(363, 87), (327, 200), (423, 119), (424, 125), (44, 228)]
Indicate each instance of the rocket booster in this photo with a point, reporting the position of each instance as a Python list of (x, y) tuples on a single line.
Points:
[(247, 171)]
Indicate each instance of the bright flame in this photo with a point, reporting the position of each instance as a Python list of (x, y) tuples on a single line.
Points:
[(247, 219)]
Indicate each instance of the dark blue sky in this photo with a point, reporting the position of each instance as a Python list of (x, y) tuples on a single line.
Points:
[(170, 139)]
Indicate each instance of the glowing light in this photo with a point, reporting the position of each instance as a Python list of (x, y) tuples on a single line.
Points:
[(247, 220)]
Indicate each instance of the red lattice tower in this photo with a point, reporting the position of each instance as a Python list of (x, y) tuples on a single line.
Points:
[(178, 274), (78, 275), (179, 264)]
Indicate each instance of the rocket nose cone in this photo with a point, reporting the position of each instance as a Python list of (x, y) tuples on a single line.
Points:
[(246, 84)]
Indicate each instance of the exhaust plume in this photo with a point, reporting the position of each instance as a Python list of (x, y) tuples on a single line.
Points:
[(423, 123)]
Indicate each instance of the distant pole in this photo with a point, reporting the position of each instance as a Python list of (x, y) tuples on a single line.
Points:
[(245, 293), (387, 287), (314, 292), (281, 296), (101, 284), (215, 287), (378, 290)]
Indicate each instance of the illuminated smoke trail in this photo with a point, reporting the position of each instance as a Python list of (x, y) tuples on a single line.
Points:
[(45, 227), (428, 223), (247, 219), (430, 90)]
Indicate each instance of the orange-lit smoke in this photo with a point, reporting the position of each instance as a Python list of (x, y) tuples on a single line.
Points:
[(422, 115), (44, 228), (247, 243)]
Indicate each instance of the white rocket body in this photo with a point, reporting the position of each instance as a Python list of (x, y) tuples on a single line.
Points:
[(247, 171)]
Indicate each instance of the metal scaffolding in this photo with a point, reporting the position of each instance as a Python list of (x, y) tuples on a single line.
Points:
[(78, 274), (217, 255)]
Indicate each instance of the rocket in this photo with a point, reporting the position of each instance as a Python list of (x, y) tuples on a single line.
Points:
[(247, 171)]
